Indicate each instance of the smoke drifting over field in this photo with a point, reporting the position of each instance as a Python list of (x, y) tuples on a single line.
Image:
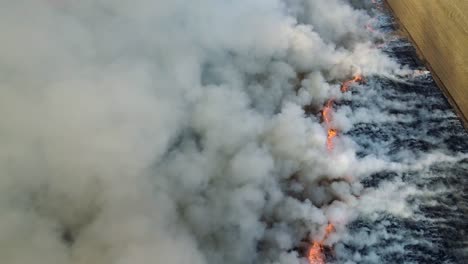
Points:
[(174, 131)]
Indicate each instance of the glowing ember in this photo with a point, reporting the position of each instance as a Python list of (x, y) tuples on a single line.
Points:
[(356, 79), (316, 255)]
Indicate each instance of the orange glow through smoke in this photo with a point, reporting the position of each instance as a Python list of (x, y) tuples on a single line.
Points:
[(316, 255), (326, 112), (356, 79)]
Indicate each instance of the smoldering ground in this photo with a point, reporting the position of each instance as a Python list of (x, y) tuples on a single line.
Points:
[(174, 131)]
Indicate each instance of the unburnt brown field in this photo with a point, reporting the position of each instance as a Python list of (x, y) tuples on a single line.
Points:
[(439, 29)]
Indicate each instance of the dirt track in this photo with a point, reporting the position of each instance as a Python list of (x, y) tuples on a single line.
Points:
[(439, 28)]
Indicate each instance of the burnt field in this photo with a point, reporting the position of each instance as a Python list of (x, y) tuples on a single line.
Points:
[(417, 132)]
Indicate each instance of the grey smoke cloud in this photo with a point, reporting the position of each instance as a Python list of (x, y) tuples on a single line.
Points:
[(171, 131)]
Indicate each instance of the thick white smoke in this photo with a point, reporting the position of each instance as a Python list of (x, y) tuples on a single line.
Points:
[(174, 131)]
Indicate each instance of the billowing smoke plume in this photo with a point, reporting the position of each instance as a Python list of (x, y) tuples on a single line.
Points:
[(174, 131)]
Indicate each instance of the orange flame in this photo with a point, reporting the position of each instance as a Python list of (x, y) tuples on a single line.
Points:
[(332, 133), (316, 255), (326, 112), (356, 79), (326, 115)]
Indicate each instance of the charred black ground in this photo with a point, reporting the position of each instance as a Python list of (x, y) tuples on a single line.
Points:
[(437, 231)]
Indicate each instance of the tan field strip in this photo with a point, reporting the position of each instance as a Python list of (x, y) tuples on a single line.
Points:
[(439, 29)]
